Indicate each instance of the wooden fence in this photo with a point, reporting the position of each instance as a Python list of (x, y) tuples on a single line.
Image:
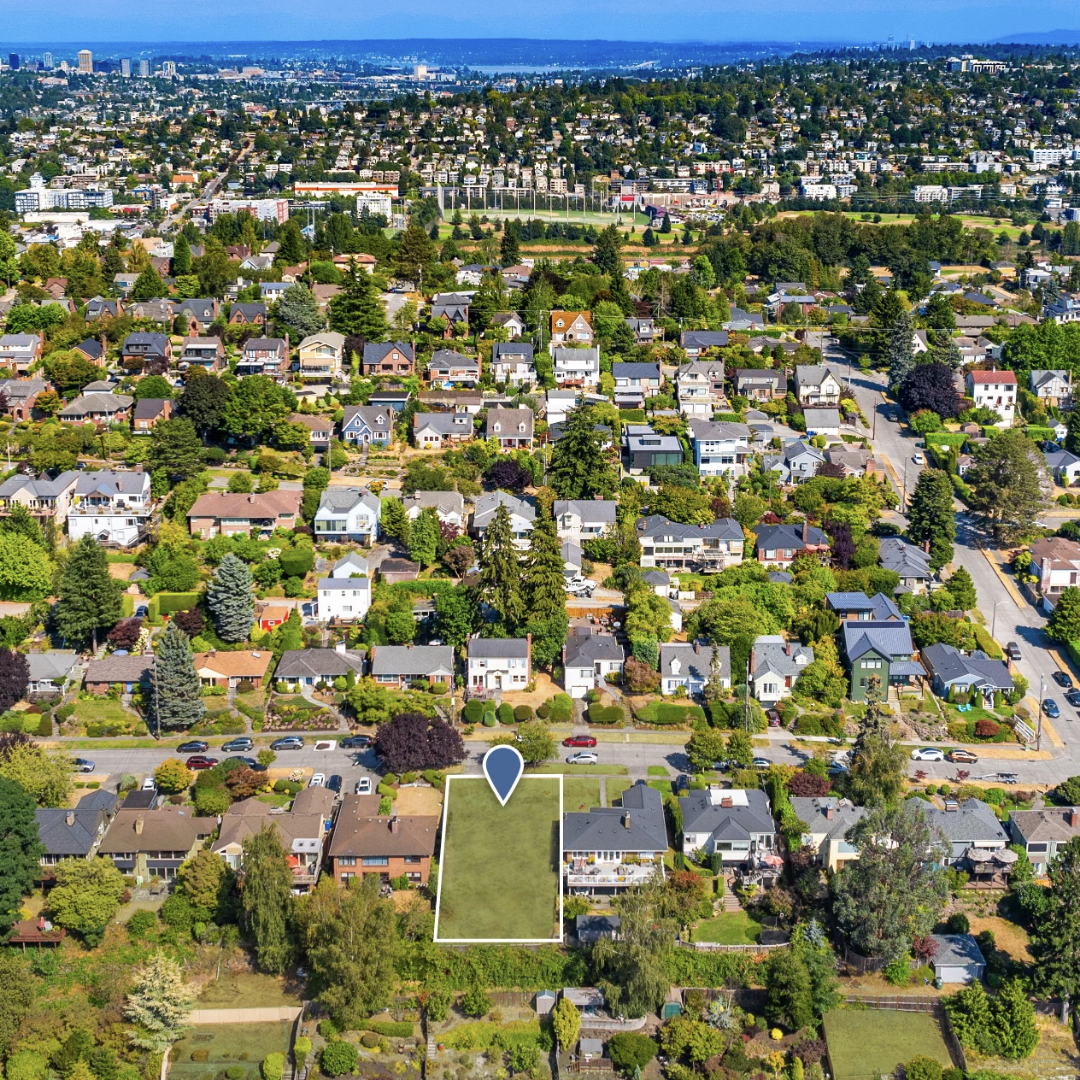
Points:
[(898, 1003), (506, 999), (711, 946)]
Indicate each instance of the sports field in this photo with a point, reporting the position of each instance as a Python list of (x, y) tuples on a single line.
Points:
[(500, 865), (865, 1044)]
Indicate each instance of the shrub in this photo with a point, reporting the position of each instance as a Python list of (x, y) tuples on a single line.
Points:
[(473, 712), (45, 726), (273, 1066), (922, 1068), (629, 1050), (204, 1055), (338, 1058), (898, 972), (475, 1001), (369, 1040), (140, 923), (958, 924), (402, 1030), (543, 711), (610, 714), (438, 689), (235, 1072), (562, 708), (506, 713), (65, 713), (523, 714), (489, 719), (301, 1049), (328, 1029), (987, 729)]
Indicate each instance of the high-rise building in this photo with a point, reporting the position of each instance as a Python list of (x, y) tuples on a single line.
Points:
[(86, 62), (168, 68), (47, 61), (13, 61), (144, 69), (125, 68)]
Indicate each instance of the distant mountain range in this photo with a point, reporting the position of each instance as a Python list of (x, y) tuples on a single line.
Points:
[(1045, 37)]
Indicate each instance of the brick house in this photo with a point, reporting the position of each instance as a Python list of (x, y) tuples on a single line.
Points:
[(229, 513), (365, 842)]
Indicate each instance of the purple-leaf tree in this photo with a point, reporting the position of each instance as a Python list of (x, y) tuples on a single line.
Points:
[(14, 677), (931, 386), (412, 742)]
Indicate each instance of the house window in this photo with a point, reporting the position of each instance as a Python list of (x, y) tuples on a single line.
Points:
[(374, 860), (1037, 848), (347, 860)]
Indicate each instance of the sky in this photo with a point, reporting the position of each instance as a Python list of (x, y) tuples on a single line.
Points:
[(77, 22)]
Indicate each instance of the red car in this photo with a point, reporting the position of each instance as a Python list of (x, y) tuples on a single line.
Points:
[(200, 762), (579, 740)]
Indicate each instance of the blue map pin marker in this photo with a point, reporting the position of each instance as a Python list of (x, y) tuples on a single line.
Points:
[(503, 766)]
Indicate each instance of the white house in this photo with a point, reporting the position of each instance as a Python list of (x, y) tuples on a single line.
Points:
[(344, 599), (688, 665), (449, 506), (817, 385), (522, 516), (674, 546), (734, 823), (113, 507), (578, 520), (348, 514), (498, 663), (775, 667), (576, 367), (588, 658), (699, 388), (994, 390), (720, 449)]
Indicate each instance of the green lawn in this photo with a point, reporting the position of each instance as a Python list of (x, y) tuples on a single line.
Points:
[(241, 1045), (658, 770), (586, 770), (731, 928), (499, 873), (247, 990), (580, 792), (867, 1043), (615, 788)]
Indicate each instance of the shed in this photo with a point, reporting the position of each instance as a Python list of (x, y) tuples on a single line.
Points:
[(545, 1001), (958, 958), (591, 1047), (591, 928), (586, 998)]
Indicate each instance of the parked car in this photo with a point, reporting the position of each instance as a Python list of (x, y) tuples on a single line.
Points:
[(1008, 777), (774, 718), (193, 746), (333, 783), (148, 784), (585, 757), (356, 742), (837, 768), (1050, 707), (198, 762), (682, 784), (928, 753), (965, 757), (579, 740), (239, 745), (84, 765), (249, 762), (288, 742), (363, 786), (1063, 678), (761, 763), (918, 458), (317, 780), (1073, 697), (1012, 651)]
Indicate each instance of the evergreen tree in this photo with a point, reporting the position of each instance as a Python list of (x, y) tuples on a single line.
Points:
[(394, 522), (424, 538), (203, 401), (89, 598), (963, 589), (1009, 478), (1064, 622), (175, 446), (20, 851), (545, 591), (298, 311), (176, 685), (1055, 941), (931, 517), (500, 575), (509, 246), (159, 1004), (415, 254), (230, 600), (357, 309), (578, 468), (266, 897), (181, 263), (606, 252), (18, 522), (149, 286), (900, 354)]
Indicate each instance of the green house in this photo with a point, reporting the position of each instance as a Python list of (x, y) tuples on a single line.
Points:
[(878, 648)]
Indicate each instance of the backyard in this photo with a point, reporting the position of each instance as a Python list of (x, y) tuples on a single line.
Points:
[(485, 844), (867, 1043), (247, 989), (731, 928), (243, 1045)]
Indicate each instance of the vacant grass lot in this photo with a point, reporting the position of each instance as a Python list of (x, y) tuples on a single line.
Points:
[(243, 1045), (499, 876), (867, 1043), (248, 990)]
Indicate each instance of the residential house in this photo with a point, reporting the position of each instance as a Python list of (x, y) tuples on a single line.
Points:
[(778, 545), (646, 449), (127, 672), (1064, 466), (351, 564), (343, 599), (113, 507), (196, 316), (368, 424), (743, 322), (575, 367), (994, 390), (320, 429), (148, 844), (1044, 834), (698, 342), (264, 356), (817, 386), (512, 363), (1055, 561), (449, 506), (399, 666), (607, 849), (522, 516), (461, 401), (558, 403), (497, 664), (760, 384), (949, 669), (853, 462), (796, 463), (394, 571), (775, 667), (588, 658), (967, 826), (229, 669), (149, 412), (1052, 387), (512, 428), (828, 821), (634, 383), (450, 369), (434, 431), (571, 326), (205, 352), (881, 649), (348, 515), (74, 832), (146, 353), (578, 520), (20, 352), (390, 846), (822, 421), (299, 668), (270, 616), (252, 314), (453, 307), (674, 546), (511, 322), (646, 332), (97, 409), (689, 665), (18, 396), (734, 823), (49, 671), (858, 607), (699, 388), (321, 357), (911, 562), (44, 498), (156, 311), (228, 513), (92, 350), (721, 448), (388, 358), (301, 835)]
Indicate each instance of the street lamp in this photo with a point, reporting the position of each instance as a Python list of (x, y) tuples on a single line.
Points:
[(993, 623)]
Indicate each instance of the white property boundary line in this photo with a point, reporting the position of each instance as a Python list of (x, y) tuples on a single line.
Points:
[(442, 866)]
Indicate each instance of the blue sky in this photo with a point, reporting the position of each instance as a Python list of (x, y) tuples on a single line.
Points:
[(676, 20)]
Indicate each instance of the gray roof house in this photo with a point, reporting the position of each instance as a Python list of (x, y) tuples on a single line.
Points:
[(308, 667), (733, 822), (596, 842), (966, 825), (498, 663), (674, 546), (958, 958), (49, 671), (345, 514), (635, 382), (105, 408), (911, 562), (589, 929), (881, 649), (512, 428), (1052, 386), (777, 545), (688, 665), (587, 658), (368, 424), (399, 665), (1043, 833), (822, 421), (796, 462), (1065, 466), (827, 820), (859, 607), (775, 667), (522, 515), (583, 519), (948, 667), (75, 832), (448, 505)]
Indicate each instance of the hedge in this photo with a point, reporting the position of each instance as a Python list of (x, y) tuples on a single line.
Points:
[(986, 642), (391, 1030), (562, 708), (946, 438), (1044, 433), (632, 416), (495, 967), (600, 714), (473, 712), (1071, 647), (168, 603), (667, 712), (483, 1034)]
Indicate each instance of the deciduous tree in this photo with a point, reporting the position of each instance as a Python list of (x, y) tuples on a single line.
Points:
[(14, 677), (930, 386), (173, 776), (412, 742), (265, 897), (86, 896)]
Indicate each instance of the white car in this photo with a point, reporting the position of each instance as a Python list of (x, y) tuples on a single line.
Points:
[(363, 786), (148, 784), (317, 780), (928, 753), (919, 459), (586, 757)]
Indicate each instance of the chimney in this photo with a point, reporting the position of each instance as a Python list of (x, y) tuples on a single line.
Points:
[(726, 802), (341, 646), (829, 811), (395, 824), (138, 826), (787, 647), (69, 818), (626, 820), (805, 531), (1073, 817), (926, 546)]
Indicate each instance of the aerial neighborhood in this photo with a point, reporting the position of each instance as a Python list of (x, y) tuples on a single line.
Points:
[(707, 437)]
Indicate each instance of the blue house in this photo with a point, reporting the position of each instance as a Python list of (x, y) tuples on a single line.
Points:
[(372, 424)]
